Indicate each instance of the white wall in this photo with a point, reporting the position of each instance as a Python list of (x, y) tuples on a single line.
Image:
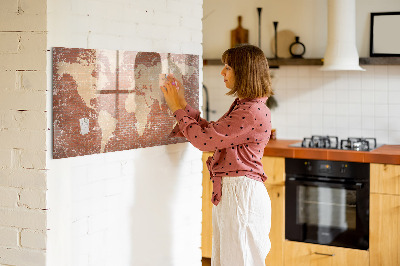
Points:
[(311, 102), (23, 133), (136, 207), (305, 18)]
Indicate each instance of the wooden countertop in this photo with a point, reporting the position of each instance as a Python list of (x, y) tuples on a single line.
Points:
[(389, 154)]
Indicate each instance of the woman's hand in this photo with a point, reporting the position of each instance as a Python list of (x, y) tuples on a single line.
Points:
[(181, 90), (172, 95)]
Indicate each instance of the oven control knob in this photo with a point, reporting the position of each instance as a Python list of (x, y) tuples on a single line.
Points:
[(343, 168), (308, 166)]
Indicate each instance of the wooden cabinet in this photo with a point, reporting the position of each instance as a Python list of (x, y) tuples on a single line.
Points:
[(385, 178), (274, 168), (206, 226), (277, 233), (304, 254), (385, 215)]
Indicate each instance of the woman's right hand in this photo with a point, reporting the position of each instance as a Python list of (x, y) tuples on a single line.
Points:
[(181, 91)]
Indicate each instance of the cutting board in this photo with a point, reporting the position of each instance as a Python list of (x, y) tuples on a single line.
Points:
[(239, 35)]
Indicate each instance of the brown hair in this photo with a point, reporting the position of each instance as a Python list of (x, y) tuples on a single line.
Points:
[(250, 66)]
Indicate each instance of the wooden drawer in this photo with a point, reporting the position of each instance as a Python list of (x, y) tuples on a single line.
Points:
[(304, 254)]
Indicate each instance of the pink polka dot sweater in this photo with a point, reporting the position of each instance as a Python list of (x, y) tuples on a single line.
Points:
[(238, 139)]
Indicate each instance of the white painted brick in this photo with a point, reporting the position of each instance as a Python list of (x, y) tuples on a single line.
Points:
[(179, 7), (23, 22), (5, 158), (189, 22), (23, 178), (196, 10), (23, 218), (79, 228), (31, 80), (141, 44), (108, 41), (34, 120), (17, 256), (33, 47), (23, 100), (98, 222), (168, 19), (9, 42), (8, 197), (148, 6), (167, 45), (33, 159), (9, 237), (33, 239), (114, 186), (23, 139), (31, 56), (33, 7), (8, 6), (33, 199), (152, 32), (196, 37), (191, 48), (7, 80)]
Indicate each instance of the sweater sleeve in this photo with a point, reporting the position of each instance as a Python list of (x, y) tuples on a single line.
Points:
[(193, 113), (229, 131)]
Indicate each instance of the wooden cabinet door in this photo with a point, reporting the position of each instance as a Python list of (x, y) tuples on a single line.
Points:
[(274, 168), (277, 233), (304, 254), (206, 226), (385, 178), (384, 236)]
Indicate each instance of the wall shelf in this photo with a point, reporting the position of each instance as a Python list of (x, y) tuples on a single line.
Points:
[(380, 61), (274, 63)]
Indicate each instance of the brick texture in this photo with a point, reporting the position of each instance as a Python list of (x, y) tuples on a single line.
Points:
[(23, 132), (105, 101)]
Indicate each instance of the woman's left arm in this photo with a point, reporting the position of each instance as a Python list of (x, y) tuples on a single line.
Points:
[(236, 129)]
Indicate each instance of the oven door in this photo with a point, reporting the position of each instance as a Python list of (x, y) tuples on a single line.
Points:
[(327, 213)]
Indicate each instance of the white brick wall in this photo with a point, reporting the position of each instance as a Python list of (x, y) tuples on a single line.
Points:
[(23, 132), (137, 207)]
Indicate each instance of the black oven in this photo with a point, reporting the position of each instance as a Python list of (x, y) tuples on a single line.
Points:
[(327, 202)]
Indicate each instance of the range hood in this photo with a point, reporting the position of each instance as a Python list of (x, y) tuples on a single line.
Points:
[(341, 51)]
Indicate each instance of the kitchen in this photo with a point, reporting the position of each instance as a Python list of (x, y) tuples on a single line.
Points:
[(315, 103), (97, 210)]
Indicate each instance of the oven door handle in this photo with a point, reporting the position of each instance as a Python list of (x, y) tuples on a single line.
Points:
[(357, 185)]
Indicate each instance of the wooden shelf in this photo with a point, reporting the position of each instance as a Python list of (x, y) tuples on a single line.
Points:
[(380, 61), (274, 63)]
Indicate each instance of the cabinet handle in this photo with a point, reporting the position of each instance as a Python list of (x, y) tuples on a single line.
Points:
[(324, 254)]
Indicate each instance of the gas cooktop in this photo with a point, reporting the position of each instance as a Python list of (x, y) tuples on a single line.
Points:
[(332, 142)]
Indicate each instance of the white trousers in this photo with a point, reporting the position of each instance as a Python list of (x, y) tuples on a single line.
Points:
[(241, 223)]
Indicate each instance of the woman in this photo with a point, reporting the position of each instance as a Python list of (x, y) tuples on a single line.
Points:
[(242, 211)]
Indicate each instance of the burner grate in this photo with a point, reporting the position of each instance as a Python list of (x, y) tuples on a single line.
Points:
[(358, 144), (332, 142), (327, 142)]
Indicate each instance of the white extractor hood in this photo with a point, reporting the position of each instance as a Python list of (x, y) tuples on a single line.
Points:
[(341, 51)]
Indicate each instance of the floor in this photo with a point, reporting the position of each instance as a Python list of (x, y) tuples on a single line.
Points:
[(206, 261)]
